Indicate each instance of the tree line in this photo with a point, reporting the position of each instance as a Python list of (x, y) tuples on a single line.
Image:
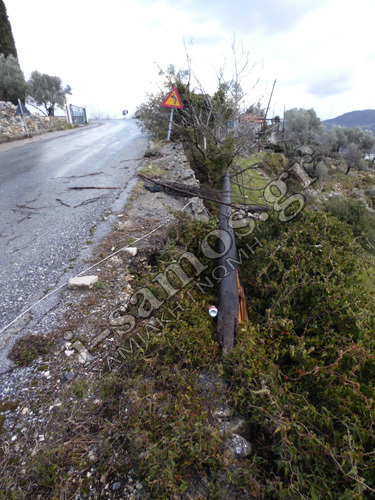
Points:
[(304, 129)]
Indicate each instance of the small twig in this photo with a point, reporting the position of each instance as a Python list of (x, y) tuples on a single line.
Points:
[(28, 216), (133, 159), (91, 200), (79, 176), (63, 203), (77, 188), (30, 208)]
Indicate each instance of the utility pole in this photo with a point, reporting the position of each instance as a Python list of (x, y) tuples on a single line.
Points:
[(269, 102)]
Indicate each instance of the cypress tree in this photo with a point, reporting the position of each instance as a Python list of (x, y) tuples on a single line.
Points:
[(7, 45)]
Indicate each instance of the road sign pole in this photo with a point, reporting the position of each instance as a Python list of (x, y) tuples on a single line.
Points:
[(23, 118), (170, 125)]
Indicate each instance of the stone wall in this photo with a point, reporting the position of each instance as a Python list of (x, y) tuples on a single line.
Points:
[(12, 127)]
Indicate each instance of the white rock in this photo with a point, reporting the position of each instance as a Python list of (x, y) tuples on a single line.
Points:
[(238, 447), (83, 282), (132, 250), (14, 438), (25, 411), (69, 352)]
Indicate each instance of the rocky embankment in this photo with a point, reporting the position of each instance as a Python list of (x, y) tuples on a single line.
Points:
[(12, 126)]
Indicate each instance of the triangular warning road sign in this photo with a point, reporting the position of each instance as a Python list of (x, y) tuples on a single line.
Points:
[(172, 100), (22, 109)]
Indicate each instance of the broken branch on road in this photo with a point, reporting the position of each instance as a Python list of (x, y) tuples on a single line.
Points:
[(91, 200), (79, 176), (77, 188)]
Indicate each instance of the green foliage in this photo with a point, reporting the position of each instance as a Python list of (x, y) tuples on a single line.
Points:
[(28, 348), (170, 428), (151, 153), (175, 441), (356, 214), (7, 45), (154, 118), (48, 91), (303, 372), (12, 81), (202, 125), (321, 170), (351, 143), (302, 128)]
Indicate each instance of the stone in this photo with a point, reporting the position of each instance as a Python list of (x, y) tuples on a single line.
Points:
[(238, 446), (188, 175), (132, 250), (116, 261), (116, 486), (82, 282), (67, 377), (198, 209)]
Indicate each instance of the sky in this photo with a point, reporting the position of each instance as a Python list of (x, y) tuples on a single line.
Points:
[(320, 52)]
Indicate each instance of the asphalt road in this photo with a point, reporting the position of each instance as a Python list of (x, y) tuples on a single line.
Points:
[(43, 224)]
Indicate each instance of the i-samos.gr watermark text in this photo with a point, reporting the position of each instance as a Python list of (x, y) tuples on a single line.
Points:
[(157, 313)]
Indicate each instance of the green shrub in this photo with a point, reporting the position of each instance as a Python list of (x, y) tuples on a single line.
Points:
[(303, 373), (356, 214), (151, 153)]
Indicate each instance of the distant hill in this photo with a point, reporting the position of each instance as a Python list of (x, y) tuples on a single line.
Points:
[(364, 119)]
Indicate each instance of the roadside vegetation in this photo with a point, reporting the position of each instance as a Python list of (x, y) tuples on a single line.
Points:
[(301, 375)]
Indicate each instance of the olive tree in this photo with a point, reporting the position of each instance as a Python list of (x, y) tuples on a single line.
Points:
[(47, 91), (302, 128), (351, 143)]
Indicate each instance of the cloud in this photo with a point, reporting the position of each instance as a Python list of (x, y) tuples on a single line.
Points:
[(330, 86), (268, 16)]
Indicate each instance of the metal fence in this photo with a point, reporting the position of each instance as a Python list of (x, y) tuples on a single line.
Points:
[(78, 114)]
